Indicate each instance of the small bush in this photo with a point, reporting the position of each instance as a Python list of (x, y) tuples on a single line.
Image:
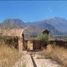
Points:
[(44, 39)]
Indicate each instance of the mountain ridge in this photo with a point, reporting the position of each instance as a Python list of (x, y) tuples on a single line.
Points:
[(12, 23), (56, 25)]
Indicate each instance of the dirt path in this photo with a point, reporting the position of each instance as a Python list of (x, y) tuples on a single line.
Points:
[(24, 61), (32, 61), (46, 63), (20, 62)]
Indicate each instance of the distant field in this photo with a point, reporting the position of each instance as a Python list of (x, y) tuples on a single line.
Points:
[(8, 56), (56, 53)]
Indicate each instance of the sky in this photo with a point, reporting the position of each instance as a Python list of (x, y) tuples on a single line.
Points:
[(30, 11)]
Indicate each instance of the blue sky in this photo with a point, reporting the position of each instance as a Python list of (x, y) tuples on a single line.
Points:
[(29, 11)]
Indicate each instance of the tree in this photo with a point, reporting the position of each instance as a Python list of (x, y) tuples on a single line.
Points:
[(44, 39)]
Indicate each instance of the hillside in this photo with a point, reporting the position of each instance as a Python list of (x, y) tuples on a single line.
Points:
[(43, 25), (12, 23), (59, 23), (56, 25)]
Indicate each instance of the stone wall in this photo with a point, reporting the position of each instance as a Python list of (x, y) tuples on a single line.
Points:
[(59, 43), (11, 41)]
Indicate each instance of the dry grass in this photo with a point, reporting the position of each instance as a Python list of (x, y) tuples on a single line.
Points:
[(8, 56), (57, 53)]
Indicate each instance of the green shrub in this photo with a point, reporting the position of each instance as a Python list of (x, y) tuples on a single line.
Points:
[(44, 39)]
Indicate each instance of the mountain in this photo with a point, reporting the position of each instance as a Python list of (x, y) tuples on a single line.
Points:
[(12, 23), (37, 27), (56, 25), (59, 23)]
